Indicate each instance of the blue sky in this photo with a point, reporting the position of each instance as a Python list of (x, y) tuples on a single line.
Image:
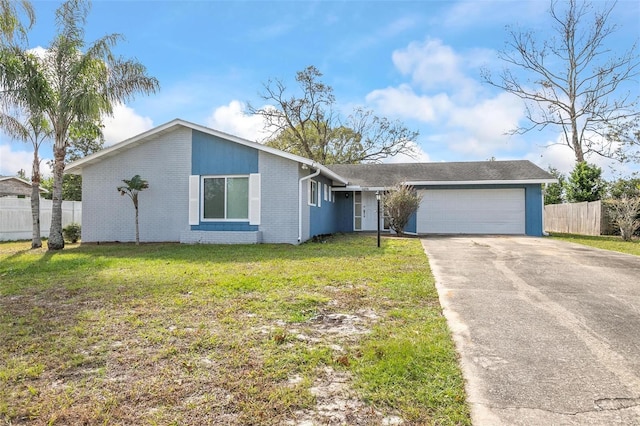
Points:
[(416, 61)]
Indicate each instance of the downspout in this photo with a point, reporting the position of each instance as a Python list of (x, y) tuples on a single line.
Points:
[(302, 179), (544, 190)]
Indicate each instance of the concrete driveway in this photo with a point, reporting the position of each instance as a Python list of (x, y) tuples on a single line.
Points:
[(548, 332)]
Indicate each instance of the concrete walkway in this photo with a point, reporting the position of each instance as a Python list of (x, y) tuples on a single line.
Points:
[(548, 332)]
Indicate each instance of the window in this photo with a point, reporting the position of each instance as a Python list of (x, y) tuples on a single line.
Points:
[(313, 193), (225, 198)]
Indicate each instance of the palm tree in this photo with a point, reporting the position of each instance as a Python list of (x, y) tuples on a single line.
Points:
[(20, 116), (81, 84), (10, 23), (132, 188), (36, 130)]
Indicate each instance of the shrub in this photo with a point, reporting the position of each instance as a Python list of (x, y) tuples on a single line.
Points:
[(400, 203), (624, 213), (71, 232)]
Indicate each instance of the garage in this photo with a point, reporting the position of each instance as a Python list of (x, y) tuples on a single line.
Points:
[(472, 211)]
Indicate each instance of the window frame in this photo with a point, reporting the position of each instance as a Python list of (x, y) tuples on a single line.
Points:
[(312, 194), (226, 198)]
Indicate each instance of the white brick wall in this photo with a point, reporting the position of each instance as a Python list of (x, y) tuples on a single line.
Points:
[(279, 204), (165, 162), (221, 237)]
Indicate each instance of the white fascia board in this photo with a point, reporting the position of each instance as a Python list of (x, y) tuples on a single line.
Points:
[(479, 182), (76, 166), (360, 188)]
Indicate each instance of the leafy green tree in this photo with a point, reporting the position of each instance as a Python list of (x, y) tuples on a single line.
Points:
[(84, 139), (76, 83), (400, 203), (629, 188), (308, 125), (585, 183), (132, 189), (574, 81), (554, 192)]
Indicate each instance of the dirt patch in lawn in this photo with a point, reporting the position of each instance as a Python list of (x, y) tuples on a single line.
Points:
[(195, 335)]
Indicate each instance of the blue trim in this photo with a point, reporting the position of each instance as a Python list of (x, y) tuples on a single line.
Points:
[(224, 226), (211, 155)]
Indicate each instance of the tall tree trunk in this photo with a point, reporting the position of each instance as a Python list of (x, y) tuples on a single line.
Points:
[(137, 228), (36, 241), (56, 241)]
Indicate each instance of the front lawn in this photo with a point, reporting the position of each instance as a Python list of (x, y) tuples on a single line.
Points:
[(606, 242), (339, 332)]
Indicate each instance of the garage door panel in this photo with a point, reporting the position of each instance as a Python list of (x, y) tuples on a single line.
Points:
[(471, 211)]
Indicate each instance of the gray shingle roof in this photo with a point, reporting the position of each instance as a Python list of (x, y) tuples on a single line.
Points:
[(389, 174)]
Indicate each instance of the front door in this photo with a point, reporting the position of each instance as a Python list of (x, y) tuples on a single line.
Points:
[(365, 211)]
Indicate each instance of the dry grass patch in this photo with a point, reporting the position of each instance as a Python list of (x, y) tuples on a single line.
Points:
[(335, 333)]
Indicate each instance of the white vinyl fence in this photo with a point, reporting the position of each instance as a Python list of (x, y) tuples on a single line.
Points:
[(15, 217)]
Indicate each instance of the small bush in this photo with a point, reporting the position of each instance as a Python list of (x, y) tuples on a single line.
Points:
[(625, 212), (71, 232), (400, 203)]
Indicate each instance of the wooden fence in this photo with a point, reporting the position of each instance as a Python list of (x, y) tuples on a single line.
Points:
[(587, 218), (15, 217)]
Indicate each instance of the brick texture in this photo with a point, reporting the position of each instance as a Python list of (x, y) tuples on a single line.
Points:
[(165, 162)]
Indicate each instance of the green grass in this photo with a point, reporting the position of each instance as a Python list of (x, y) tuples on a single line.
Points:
[(194, 334), (605, 242)]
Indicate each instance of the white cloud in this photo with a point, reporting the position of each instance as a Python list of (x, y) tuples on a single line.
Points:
[(442, 95), (38, 51), (403, 102), (11, 161), (556, 154), (232, 119), (420, 156), (124, 123), (488, 122), (433, 65)]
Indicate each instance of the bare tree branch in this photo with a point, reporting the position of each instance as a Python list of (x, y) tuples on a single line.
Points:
[(574, 81), (307, 125)]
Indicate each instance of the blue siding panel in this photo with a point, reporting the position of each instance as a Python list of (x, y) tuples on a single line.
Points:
[(534, 211), (224, 226), (323, 218), (211, 155), (412, 225)]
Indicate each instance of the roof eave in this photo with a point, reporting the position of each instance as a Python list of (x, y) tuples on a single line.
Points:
[(76, 166), (480, 182)]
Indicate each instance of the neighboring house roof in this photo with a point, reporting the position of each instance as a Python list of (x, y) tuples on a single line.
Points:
[(77, 166), (458, 173), (13, 185)]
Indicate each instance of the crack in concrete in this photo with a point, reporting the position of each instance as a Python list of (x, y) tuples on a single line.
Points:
[(611, 404), (603, 404)]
